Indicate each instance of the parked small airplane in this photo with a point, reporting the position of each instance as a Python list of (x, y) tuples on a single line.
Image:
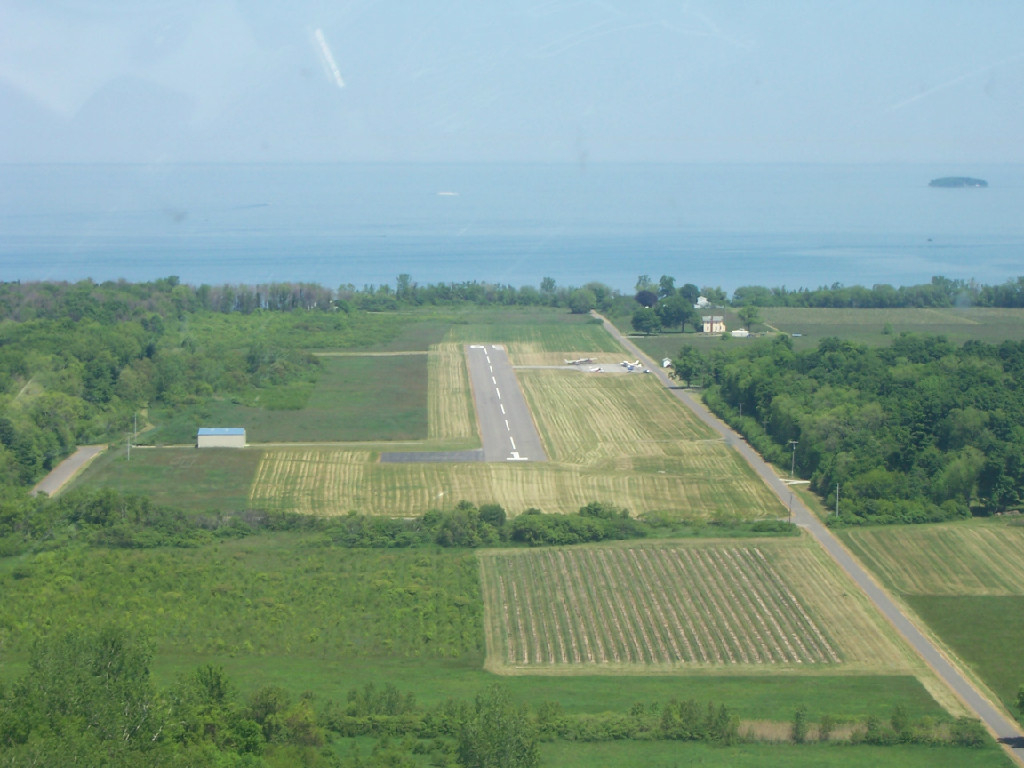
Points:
[(581, 361)]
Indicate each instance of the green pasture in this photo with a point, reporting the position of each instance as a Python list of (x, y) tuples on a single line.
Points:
[(775, 698), (355, 398), (273, 595), (286, 609), (183, 477), (333, 329), (869, 326), (671, 754), (544, 331), (963, 579), (986, 632), (876, 327)]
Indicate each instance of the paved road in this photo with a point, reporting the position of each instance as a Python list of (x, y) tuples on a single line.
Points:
[(61, 474), (506, 425), (1004, 729)]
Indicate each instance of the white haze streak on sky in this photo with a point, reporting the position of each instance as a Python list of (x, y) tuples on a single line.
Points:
[(328, 58), (954, 81)]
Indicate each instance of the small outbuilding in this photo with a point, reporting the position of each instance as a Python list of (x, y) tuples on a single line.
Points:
[(713, 323), (740, 333), (220, 437)]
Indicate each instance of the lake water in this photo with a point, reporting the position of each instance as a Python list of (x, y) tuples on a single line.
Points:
[(724, 225)]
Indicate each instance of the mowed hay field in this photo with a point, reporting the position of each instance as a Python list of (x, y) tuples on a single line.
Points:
[(868, 325), (620, 439), (966, 581), (450, 403), (710, 607), (954, 560)]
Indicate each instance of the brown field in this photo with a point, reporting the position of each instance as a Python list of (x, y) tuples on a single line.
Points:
[(706, 607)]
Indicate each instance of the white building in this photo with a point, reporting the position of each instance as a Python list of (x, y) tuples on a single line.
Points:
[(713, 323), (702, 303), (741, 333), (220, 437)]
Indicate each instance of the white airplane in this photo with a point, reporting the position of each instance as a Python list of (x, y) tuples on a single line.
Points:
[(580, 361), (596, 369)]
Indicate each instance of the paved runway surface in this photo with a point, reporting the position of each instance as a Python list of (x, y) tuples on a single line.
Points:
[(506, 426), (1004, 729)]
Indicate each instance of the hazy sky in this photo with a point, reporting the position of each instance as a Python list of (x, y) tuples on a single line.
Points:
[(516, 80)]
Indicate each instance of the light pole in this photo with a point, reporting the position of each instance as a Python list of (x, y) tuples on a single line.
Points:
[(792, 465)]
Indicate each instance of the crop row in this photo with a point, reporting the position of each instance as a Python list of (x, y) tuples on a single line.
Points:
[(646, 605)]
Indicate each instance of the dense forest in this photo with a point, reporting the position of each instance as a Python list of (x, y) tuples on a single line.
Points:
[(918, 431)]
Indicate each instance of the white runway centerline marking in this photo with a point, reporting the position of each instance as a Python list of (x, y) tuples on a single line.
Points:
[(502, 406), (511, 440), (499, 392), (507, 426)]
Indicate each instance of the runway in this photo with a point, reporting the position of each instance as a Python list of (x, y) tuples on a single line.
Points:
[(506, 425)]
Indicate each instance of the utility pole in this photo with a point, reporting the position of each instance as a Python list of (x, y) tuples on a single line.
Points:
[(792, 465), (129, 443), (837, 501)]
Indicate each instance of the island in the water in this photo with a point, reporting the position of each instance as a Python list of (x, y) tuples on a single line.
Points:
[(957, 181)]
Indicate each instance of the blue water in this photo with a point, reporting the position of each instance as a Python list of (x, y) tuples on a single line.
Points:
[(719, 225)]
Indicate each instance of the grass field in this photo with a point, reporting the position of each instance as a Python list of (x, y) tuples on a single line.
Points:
[(966, 580), (343, 405), (986, 632), (547, 339), (284, 609), (450, 414), (759, 607), (956, 559), (667, 754), (336, 481), (217, 478), (267, 596), (865, 326)]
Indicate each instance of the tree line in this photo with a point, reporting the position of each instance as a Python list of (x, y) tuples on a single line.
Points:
[(104, 517), (88, 698), (915, 432), (940, 292)]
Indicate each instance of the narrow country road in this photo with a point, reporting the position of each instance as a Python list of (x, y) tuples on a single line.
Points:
[(1004, 729), (61, 474)]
